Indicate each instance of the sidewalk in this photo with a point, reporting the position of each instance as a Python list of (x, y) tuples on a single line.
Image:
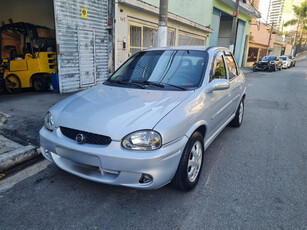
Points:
[(12, 153), (246, 70), (21, 117)]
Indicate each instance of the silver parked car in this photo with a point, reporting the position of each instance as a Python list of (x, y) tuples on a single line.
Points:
[(151, 121)]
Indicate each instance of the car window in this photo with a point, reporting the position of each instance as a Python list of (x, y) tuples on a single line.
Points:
[(219, 69), (231, 65), (265, 58)]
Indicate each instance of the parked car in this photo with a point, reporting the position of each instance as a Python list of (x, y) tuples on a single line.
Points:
[(286, 62), (293, 61), (268, 63), (151, 121)]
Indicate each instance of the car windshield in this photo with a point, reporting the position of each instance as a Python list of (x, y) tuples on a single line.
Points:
[(268, 58), (162, 69), (284, 58), (290, 56)]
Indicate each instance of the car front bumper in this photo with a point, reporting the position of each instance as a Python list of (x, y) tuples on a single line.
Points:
[(112, 164)]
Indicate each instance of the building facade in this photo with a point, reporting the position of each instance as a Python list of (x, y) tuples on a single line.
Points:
[(136, 26), (260, 43), (222, 17), (275, 12)]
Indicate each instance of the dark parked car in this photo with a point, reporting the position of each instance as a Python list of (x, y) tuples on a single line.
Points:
[(293, 61), (268, 63)]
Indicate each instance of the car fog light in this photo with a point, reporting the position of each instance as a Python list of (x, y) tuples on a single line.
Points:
[(145, 179)]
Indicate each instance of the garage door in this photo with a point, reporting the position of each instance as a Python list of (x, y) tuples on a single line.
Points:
[(82, 43)]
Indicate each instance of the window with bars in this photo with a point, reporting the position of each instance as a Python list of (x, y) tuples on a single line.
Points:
[(145, 37), (190, 40)]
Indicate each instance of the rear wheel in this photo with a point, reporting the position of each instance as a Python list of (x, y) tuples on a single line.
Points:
[(12, 84), (190, 165), (237, 120), (40, 84)]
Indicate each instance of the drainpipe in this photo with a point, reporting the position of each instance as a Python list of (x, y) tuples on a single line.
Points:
[(115, 36), (234, 28)]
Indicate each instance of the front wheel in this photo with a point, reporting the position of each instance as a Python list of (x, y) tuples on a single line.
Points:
[(40, 84), (190, 165), (12, 84), (237, 120)]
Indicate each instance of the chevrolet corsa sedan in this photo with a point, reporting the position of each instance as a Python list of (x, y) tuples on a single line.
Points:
[(151, 121)]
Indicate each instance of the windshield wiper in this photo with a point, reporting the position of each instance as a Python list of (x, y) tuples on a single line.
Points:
[(126, 83), (151, 83), (175, 86)]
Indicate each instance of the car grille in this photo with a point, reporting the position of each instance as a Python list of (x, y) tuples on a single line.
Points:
[(91, 138)]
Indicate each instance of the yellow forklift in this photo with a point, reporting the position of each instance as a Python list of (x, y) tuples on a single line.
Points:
[(29, 63)]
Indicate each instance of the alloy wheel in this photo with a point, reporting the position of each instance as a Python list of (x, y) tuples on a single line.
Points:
[(195, 161), (241, 112)]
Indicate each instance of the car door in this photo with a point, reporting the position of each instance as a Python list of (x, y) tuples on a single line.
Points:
[(235, 82), (217, 101)]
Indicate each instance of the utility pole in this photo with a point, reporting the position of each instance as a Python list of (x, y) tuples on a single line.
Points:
[(272, 27), (162, 31), (234, 27)]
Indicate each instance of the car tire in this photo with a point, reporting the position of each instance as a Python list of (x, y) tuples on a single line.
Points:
[(238, 119), (254, 69), (12, 84), (40, 84), (190, 165)]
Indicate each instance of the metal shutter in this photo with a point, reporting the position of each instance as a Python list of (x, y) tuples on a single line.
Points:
[(82, 42)]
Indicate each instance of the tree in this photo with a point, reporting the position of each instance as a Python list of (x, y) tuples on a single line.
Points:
[(301, 21)]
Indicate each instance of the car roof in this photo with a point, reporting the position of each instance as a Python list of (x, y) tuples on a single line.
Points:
[(196, 48)]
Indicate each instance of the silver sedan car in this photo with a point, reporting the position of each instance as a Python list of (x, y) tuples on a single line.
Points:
[(151, 121)]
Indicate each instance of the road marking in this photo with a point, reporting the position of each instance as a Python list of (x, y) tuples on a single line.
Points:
[(11, 181)]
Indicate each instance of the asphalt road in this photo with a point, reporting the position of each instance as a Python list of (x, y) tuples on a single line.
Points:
[(255, 177), (27, 111)]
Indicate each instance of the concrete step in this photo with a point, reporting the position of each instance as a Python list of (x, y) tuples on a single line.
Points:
[(12, 153)]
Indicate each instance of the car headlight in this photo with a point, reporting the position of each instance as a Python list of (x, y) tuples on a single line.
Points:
[(49, 123), (142, 140)]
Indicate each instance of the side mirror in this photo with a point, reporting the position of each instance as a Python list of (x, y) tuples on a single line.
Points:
[(217, 84)]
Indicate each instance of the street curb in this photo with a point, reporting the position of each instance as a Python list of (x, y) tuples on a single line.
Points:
[(17, 156), (3, 118), (248, 73)]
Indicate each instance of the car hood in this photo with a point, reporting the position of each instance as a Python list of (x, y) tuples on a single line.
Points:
[(117, 111)]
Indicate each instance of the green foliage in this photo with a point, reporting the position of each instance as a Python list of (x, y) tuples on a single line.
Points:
[(291, 22), (301, 14)]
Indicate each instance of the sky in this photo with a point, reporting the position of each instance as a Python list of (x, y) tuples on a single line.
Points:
[(263, 8)]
